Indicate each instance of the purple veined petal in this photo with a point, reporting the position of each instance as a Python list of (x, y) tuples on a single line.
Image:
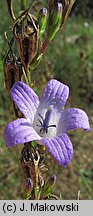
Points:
[(18, 132), (55, 93), (26, 99), (60, 148), (73, 118)]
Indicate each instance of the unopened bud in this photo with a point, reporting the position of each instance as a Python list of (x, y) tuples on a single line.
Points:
[(67, 6), (42, 21), (28, 186), (51, 181), (55, 20), (48, 186)]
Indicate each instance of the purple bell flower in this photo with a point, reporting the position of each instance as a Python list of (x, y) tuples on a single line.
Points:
[(45, 121)]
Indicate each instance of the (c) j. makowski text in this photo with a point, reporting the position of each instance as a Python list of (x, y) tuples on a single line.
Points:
[(49, 207)]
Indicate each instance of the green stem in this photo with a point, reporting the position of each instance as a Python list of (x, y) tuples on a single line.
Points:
[(23, 4), (25, 77)]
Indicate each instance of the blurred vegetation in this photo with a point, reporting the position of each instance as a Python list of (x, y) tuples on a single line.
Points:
[(84, 8), (69, 58)]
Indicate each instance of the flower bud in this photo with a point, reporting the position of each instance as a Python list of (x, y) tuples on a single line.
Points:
[(27, 188), (42, 21), (48, 186), (67, 6), (28, 185), (55, 20)]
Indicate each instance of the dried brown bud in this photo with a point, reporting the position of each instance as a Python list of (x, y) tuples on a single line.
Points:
[(12, 71), (26, 35)]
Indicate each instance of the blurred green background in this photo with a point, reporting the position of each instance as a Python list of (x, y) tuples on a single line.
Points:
[(69, 58)]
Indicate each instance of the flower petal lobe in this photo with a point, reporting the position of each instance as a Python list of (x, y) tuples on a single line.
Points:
[(55, 93), (26, 99), (18, 132), (60, 148), (73, 118)]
